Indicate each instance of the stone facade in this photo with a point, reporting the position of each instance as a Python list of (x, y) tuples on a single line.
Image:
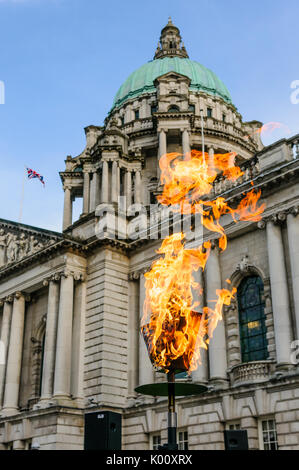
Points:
[(71, 301)]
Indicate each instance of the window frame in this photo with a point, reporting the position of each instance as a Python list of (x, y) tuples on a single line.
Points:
[(261, 432), (155, 446), (233, 425), (246, 357), (185, 441)]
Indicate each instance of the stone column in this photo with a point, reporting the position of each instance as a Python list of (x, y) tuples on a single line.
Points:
[(162, 143), (118, 180), (185, 141), (138, 186), (78, 346), (217, 346), (96, 182), (201, 373), (211, 156), (68, 208), (162, 149), (86, 192), (62, 376), (133, 336), (279, 292), (129, 187), (5, 330), (146, 371), (14, 359), (115, 184), (50, 338), (105, 182), (293, 237)]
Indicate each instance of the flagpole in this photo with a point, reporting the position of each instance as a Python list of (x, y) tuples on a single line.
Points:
[(202, 136), (22, 196)]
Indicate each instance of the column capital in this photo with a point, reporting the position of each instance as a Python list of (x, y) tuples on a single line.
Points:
[(53, 278), (261, 224), (135, 275), (215, 245), (67, 186), (77, 275), (278, 218), (294, 211), (8, 300), (17, 295)]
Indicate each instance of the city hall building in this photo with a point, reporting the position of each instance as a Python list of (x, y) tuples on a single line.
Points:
[(71, 302)]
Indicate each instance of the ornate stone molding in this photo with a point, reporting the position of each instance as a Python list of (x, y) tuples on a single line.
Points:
[(135, 275), (243, 266), (15, 246)]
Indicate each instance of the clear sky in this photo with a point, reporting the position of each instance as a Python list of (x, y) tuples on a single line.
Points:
[(62, 62)]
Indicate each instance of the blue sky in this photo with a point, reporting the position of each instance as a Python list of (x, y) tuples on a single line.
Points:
[(62, 62)]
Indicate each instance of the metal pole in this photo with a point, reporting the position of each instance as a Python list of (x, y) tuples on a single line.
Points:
[(202, 136), (172, 417)]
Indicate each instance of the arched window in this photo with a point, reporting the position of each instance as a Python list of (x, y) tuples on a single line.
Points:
[(173, 109), (252, 320)]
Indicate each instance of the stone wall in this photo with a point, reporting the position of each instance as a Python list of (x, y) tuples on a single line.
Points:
[(206, 417), (107, 328)]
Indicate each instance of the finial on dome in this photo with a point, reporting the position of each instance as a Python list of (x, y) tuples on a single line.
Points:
[(170, 44)]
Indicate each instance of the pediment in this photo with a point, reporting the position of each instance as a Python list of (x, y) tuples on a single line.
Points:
[(19, 241), (170, 76)]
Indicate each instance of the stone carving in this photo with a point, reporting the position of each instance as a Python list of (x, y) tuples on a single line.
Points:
[(14, 247), (243, 266)]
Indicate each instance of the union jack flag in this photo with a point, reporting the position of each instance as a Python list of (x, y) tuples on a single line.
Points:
[(33, 174)]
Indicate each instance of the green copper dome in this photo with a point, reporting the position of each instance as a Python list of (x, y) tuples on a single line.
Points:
[(142, 80)]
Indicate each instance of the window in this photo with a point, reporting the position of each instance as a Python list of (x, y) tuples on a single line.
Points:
[(209, 112), (269, 435), (192, 108), (122, 120), (156, 441), (252, 320), (223, 117), (173, 109), (183, 440), (122, 182), (153, 199), (137, 114), (154, 109), (233, 426)]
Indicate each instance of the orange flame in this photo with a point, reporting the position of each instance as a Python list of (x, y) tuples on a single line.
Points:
[(268, 128), (173, 331)]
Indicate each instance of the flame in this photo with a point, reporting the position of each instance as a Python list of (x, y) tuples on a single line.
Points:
[(173, 330), (268, 128)]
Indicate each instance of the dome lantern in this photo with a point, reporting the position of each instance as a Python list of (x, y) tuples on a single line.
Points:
[(170, 44)]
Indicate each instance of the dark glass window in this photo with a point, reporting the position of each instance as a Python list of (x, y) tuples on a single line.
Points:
[(153, 109), (137, 114), (252, 320), (209, 112), (192, 108), (223, 117), (122, 120), (173, 109)]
